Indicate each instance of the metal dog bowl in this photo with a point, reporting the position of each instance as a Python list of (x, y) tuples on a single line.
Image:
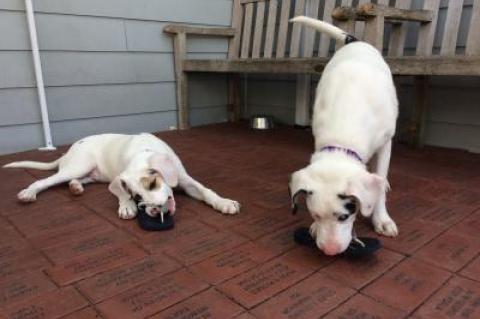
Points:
[(261, 122)]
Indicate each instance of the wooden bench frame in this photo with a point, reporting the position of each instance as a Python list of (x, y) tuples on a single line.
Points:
[(253, 50)]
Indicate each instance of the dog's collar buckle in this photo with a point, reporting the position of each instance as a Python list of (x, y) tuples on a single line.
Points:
[(350, 152)]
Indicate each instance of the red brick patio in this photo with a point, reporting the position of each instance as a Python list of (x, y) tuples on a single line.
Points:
[(71, 257)]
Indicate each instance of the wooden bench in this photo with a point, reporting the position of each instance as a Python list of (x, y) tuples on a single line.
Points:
[(261, 40)]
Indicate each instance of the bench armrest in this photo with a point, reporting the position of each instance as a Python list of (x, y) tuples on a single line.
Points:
[(218, 32)]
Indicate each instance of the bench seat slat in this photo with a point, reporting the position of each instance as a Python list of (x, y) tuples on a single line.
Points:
[(270, 33), (247, 30), (411, 65)]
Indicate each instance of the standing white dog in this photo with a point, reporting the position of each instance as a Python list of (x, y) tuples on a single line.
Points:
[(354, 118), (139, 168)]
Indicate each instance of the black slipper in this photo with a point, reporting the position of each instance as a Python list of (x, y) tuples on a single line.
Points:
[(150, 223), (355, 249)]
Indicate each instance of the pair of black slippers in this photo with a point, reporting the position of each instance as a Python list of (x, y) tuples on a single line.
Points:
[(359, 247), (163, 221)]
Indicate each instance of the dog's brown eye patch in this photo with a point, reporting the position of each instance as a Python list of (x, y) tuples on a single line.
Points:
[(152, 185)]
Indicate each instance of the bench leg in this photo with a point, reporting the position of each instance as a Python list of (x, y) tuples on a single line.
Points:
[(182, 101), (420, 111), (180, 53), (233, 97), (302, 100)]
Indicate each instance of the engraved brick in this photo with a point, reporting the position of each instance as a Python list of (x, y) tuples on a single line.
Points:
[(24, 262), (459, 298), (407, 285), (199, 248), (258, 226), (259, 284), (115, 281), (357, 272), (89, 265), (152, 297), (363, 307), (85, 244), (208, 304), (412, 236), (311, 298), (450, 251), (53, 304), (230, 263), (23, 287)]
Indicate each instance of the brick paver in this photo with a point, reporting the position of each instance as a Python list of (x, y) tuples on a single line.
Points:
[(71, 256)]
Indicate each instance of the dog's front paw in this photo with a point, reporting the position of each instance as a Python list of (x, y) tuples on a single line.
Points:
[(27, 196), (386, 227), (127, 210), (227, 206)]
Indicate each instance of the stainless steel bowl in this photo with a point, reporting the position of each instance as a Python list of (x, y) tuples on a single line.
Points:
[(261, 122)]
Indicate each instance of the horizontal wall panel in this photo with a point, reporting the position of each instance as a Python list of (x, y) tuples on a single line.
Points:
[(13, 31), (87, 68), (215, 12), (207, 90), (109, 100), (63, 32), (66, 132), (149, 36), (18, 106), (454, 105), (16, 69), (20, 138), (453, 136), (208, 115), (275, 93)]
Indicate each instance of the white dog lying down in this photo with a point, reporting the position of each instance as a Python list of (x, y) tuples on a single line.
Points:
[(354, 118), (138, 167)]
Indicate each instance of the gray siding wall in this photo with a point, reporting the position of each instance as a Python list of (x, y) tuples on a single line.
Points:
[(107, 66), (454, 117)]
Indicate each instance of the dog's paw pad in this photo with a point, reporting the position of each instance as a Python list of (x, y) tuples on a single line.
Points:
[(386, 228), (228, 206), (76, 187), (127, 211), (27, 196)]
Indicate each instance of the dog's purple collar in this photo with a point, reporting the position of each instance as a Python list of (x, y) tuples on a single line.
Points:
[(352, 153)]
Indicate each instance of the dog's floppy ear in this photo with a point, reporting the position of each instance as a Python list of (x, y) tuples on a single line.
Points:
[(164, 164), (119, 187), (298, 188), (366, 189)]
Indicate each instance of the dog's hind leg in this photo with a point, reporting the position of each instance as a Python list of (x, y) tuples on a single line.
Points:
[(66, 173), (76, 185), (381, 220)]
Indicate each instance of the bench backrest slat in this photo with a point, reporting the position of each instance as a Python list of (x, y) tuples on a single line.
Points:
[(426, 33), (452, 22), (283, 29), (237, 17), (270, 33), (473, 39), (310, 33), (324, 43), (257, 36), (247, 30), (398, 32), (297, 30)]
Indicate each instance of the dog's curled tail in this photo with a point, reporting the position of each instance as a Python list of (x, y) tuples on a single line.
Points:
[(35, 165), (327, 28)]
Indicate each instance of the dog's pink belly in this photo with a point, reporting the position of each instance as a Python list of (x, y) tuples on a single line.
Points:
[(96, 176)]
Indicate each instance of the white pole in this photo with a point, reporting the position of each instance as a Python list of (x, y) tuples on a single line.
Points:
[(38, 76)]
